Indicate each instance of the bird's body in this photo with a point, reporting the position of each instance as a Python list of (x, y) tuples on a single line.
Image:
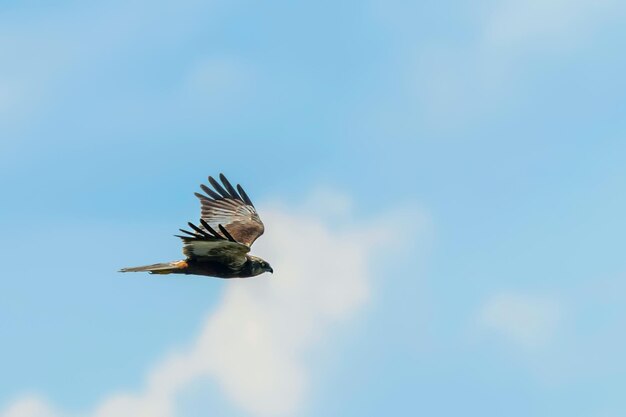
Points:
[(222, 254), (218, 270), (198, 267)]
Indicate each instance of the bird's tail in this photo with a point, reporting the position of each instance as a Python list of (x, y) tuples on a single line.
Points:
[(162, 268)]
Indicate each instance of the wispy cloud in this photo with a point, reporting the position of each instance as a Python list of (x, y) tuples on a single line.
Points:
[(461, 80), (526, 321), (551, 23), (29, 406), (68, 55)]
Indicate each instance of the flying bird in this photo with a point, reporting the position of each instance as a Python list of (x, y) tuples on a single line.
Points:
[(219, 245)]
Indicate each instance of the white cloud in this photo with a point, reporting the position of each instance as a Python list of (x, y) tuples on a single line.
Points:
[(461, 81), (29, 406), (527, 321), (255, 343), (329, 203), (543, 22)]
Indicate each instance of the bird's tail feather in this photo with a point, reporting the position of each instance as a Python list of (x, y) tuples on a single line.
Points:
[(162, 268)]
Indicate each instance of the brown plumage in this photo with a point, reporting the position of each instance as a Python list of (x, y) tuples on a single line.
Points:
[(219, 246)]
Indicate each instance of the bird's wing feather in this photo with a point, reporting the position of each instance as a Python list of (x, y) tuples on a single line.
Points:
[(224, 251), (208, 245), (232, 208)]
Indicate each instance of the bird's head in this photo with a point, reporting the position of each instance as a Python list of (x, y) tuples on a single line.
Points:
[(259, 265)]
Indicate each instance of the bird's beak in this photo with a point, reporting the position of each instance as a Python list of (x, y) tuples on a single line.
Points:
[(270, 270)]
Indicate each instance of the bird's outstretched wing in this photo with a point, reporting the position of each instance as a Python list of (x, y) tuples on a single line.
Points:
[(207, 244), (231, 209)]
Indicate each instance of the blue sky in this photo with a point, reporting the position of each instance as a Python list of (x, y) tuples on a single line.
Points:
[(465, 160)]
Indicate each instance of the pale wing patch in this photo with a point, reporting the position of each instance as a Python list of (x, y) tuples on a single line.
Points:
[(217, 215), (219, 250)]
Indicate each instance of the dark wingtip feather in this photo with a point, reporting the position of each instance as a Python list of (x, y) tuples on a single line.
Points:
[(188, 232), (210, 192), (198, 230), (208, 227), (219, 188), (244, 196), (231, 190)]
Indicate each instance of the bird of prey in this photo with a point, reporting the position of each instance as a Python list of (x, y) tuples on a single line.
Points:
[(219, 246)]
